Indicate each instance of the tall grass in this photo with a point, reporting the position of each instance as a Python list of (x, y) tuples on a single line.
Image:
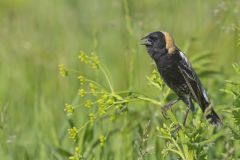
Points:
[(36, 36)]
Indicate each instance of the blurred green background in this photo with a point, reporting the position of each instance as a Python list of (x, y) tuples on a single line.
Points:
[(36, 36)]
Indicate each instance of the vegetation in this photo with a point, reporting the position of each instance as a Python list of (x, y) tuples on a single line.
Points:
[(76, 84)]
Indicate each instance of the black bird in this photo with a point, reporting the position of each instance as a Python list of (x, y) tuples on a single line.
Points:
[(178, 74)]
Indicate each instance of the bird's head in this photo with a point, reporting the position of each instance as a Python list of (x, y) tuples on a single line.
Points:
[(159, 43)]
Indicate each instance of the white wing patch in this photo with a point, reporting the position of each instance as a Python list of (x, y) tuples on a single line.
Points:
[(183, 56), (205, 94)]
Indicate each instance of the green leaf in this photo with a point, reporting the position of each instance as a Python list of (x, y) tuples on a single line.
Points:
[(208, 73), (236, 67), (62, 152), (201, 56)]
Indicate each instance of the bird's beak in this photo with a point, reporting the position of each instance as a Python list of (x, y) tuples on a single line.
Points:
[(145, 41)]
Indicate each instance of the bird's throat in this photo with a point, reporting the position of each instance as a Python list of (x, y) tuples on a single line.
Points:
[(157, 53)]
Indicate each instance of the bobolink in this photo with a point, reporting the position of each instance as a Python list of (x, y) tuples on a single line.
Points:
[(178, 74)]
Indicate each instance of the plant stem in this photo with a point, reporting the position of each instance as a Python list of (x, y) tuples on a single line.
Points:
[(186, 152), (107, 77), (150, 100)]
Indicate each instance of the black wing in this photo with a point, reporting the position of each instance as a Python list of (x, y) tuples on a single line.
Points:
[(198, 93)]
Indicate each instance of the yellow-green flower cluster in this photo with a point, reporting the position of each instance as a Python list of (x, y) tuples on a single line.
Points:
[(103, 102), (82, 92), (92, 59), (82, 80), (83, 57), (102, 110), (73, 132), (88, 103), (92, 118), (110, 101), (102, 140), (93, 89), (77, 154), (102, 106), (106, 102), (62, 70), (69, 109)]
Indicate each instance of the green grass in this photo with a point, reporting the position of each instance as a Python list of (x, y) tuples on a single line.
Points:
[(36, 36)]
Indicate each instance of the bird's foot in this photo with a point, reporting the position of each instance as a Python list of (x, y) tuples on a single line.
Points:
[(165, 108), (168, 106), (178, 127)]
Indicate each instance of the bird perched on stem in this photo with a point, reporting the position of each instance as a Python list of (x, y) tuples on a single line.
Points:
[(178, 74)]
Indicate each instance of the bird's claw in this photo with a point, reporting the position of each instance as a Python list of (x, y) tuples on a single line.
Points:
[(165, 108), (178, 127), (168, 106)]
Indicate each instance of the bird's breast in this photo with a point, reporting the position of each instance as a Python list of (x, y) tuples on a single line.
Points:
[(168, 68), (166, 63)]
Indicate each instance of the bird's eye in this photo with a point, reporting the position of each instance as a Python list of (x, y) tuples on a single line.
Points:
[(153, 38)]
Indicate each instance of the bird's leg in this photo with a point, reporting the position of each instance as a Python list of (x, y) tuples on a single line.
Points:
[(185, 117), (168, 106), (184, 121)]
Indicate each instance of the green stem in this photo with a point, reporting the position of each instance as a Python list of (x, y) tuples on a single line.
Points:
[(186, 151), (127, 17), (166, 94), (150, 100), (97, 84), (107, 77), (179, 153), (126, 101), (83, 126)]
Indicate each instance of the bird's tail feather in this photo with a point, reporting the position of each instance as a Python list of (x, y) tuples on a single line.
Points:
[(213, 117)]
